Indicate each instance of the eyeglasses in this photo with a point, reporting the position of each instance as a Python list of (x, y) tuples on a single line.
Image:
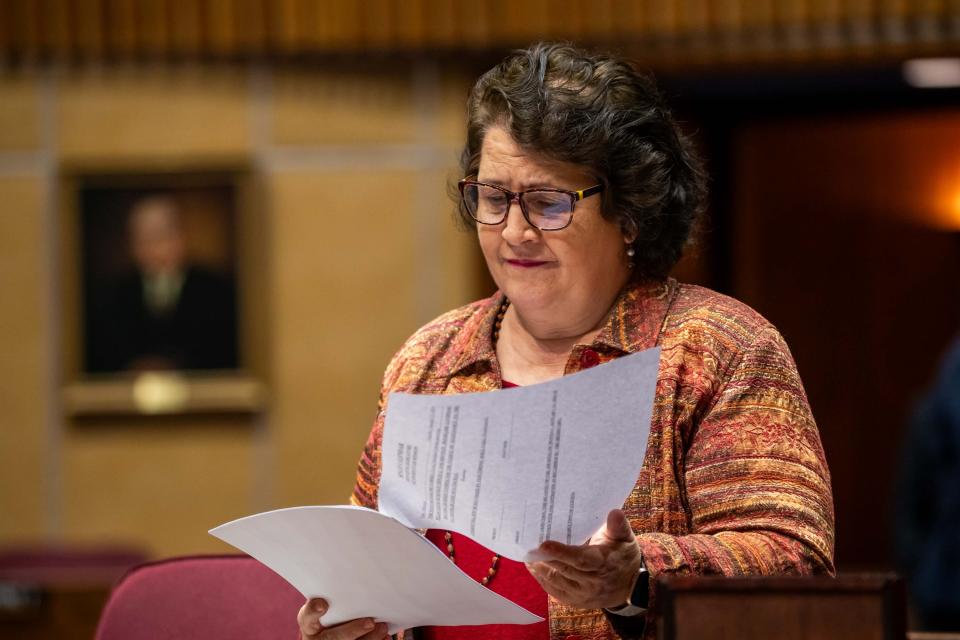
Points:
[(545, 209)]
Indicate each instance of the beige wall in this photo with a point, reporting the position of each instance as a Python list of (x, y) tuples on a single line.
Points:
[(358, 249), (23, 354)]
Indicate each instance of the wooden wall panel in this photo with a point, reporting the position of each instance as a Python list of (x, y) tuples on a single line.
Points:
[(186, 33), (221, 20), (344, 291), (654, 30), (160, 483), (250, 26), (19, 113), (89, 28), (154, 26), (450, 122), (839, 241), (339, 107), (170, 114), (24, 460)]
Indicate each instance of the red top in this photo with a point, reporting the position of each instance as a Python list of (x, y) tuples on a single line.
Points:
[(512, 581)]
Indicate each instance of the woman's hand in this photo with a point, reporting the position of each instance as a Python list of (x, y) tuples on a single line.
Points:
[(595, 575), (312, 629)]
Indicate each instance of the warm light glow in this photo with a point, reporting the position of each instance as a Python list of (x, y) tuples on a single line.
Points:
[(932, 73), (946, 191), (158, 392)]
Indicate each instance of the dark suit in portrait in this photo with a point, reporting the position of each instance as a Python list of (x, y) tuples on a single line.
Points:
[(194, 328)]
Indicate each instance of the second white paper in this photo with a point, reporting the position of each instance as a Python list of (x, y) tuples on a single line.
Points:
[(366, 564), (515, 467)]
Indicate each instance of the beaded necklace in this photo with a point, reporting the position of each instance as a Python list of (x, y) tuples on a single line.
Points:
[(447, 536)]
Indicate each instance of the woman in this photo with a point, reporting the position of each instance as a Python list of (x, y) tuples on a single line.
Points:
[(583, 193)]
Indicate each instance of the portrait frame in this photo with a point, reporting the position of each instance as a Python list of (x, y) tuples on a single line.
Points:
[(218, 297)]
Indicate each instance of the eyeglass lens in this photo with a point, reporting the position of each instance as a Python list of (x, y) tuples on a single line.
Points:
[(544, 209)]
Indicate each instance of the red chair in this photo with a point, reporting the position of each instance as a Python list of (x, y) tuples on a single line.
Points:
[(201, 597)]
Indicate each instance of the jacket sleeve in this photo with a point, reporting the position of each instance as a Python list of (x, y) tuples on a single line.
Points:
[(366, 490), (757, 484)]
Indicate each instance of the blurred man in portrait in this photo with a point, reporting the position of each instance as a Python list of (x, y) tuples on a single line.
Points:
[(168, 313)]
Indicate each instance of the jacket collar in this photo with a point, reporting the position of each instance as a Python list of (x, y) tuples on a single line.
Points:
[(636, 320)]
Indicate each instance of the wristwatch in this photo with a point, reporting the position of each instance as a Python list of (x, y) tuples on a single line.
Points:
[(639, 596)]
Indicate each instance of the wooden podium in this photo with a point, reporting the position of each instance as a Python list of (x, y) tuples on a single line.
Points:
[(849, 607)]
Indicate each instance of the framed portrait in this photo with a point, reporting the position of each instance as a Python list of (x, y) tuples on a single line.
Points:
[(158, 265)]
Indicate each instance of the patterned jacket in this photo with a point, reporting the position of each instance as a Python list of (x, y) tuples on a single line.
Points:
[(734, 481)]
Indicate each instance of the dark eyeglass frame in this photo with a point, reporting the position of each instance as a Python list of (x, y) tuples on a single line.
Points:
[(575, 196)]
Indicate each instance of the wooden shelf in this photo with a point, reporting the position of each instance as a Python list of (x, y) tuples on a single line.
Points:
[(157, 393)]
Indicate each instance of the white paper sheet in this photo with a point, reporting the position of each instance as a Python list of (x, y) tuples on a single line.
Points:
[(515, 467), (366, 564)]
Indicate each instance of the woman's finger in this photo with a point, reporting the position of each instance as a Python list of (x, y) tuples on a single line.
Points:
[(553, 580), (570, 572), (379, 632), (308, 618), (353, 630), (584, 558), (556, 585), (618, 527)]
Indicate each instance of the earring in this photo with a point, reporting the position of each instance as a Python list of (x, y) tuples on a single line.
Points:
[(630, 253)]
